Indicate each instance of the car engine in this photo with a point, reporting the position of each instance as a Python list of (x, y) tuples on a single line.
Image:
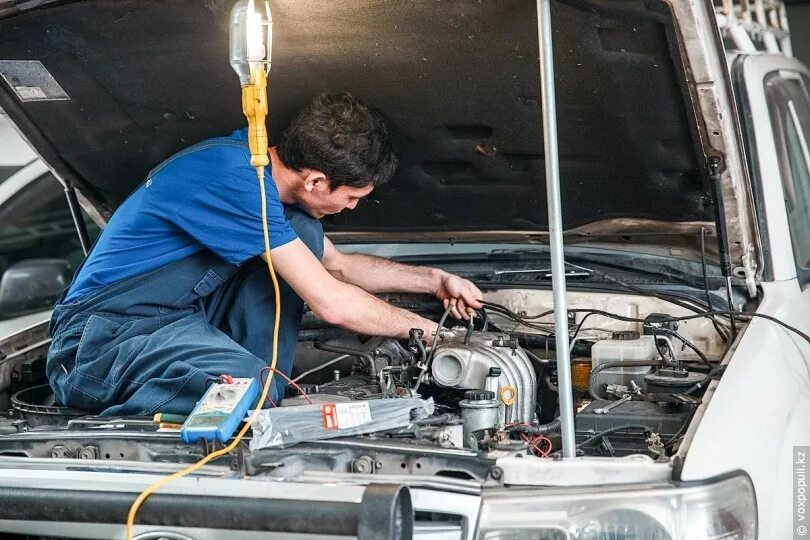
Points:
[(464, 359), (491, 385), (499, 387)]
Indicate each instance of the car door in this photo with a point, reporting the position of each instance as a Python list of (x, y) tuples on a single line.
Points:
[(760, 412), (775, 111)]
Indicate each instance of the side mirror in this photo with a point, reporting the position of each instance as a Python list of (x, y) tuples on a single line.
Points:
[(32, 285)]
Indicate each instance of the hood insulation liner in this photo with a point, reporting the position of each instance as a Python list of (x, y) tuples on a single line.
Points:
[(458, 80)]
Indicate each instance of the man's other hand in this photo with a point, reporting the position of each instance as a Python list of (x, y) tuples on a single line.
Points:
[(461, 292)]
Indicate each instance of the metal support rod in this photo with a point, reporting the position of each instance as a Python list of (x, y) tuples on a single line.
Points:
[(566, 401), (76, 214)]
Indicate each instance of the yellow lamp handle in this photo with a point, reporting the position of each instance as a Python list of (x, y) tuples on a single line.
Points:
[(254, 105)]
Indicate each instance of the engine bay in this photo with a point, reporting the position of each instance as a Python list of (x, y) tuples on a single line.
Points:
[(636, 384), (639, 374)]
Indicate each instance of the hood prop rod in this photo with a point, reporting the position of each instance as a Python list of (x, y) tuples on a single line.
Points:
[(549, 100), (76, 214), (715, 178)]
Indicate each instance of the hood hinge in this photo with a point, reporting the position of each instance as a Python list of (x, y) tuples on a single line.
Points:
[(749, 270)]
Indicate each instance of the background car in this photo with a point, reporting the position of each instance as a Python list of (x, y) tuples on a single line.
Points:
[(39, 248)]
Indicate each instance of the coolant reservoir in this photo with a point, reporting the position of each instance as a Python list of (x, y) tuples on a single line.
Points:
[(623, 346)]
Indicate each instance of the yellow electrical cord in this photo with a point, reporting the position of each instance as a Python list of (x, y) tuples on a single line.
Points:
[(260, 78)]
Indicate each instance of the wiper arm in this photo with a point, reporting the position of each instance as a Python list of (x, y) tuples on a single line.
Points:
[(545, 272)]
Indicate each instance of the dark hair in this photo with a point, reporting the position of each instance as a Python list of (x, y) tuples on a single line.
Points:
[(339, 136)]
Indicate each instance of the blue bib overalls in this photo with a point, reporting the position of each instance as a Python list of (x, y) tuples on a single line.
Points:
[(153, 342)]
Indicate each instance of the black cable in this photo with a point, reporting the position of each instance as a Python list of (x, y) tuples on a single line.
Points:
[(614, 429), (447, 311), (420, 346), (713, 374), (666, 298), (517, 318), (506, 311), (639, 290), (682, 429), (579, 326), (521, 319), (705, 314), (470, 330), (686, 342), (484, 319)]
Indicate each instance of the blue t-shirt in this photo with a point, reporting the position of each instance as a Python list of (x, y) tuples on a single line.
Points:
[(205, 197)]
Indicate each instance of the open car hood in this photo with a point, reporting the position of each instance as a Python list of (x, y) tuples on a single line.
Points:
[(105, 90)]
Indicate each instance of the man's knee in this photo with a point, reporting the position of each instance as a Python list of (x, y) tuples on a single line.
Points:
[(308, 229)]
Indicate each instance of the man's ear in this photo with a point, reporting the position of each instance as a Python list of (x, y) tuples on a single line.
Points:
[(315, 180)]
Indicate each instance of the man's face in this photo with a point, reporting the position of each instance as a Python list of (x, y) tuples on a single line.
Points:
[(318, 198)]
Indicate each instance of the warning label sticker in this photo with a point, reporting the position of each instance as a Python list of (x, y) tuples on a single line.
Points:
[(345, 415), (30, 93), (31, 81)]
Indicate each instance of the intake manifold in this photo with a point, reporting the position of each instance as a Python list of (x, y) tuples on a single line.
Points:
[(466, 365)]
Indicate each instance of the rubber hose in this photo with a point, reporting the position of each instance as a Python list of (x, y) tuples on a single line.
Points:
[(706, 380), (539, 429)]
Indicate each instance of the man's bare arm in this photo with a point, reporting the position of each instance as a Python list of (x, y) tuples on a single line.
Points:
[(339, 303), (376, 275)]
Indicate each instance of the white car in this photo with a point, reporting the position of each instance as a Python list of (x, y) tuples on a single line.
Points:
[(40, 248), (686, 204)]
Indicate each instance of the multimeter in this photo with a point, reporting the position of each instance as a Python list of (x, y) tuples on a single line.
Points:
[(220, 411)]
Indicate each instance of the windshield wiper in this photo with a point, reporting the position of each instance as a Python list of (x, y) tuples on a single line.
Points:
[(621, 262), (545, 272), (579, 266)]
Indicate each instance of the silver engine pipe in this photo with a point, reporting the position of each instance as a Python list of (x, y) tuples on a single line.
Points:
[(465, 366)]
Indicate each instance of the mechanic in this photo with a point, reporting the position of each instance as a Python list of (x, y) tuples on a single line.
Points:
[(175, 291)]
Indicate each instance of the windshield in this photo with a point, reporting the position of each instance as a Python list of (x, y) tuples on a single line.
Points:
[(37, 237)]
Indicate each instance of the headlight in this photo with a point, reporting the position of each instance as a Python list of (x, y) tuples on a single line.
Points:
[(720, 509)]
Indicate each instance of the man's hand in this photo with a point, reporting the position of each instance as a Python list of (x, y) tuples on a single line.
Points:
[(460, 292)]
